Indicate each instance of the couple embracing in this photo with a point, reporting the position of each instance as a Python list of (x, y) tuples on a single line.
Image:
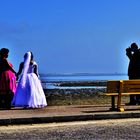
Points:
[(28, 92)]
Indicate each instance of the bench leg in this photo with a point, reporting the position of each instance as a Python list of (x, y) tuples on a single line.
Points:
[(119, 107), (112, 103)]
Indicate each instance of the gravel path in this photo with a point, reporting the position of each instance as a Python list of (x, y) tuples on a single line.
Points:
[(122, 129)]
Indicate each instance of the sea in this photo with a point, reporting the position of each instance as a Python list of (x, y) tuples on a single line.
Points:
[(49, 80)]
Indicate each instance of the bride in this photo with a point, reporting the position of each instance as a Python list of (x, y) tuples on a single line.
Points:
[(29, 92)]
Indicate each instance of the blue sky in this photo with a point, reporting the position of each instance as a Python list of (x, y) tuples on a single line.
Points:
[(70, 36)]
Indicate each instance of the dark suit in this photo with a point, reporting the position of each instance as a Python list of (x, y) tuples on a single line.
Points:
[(134, 69)]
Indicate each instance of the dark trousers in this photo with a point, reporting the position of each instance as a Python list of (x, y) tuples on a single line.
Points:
[(5, 100), (134, 98)]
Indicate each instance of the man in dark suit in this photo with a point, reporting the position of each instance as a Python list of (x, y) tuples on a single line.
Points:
[(133, 53)]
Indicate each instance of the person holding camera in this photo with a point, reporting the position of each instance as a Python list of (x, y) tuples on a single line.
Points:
[(133, 53)]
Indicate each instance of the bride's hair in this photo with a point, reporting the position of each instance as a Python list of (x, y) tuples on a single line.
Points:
[(32, 57)]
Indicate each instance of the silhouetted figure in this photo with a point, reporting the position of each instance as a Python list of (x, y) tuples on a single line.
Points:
[(7, 80), (133, 54)]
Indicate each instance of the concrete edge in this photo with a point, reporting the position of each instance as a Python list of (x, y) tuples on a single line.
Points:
[(117, 115), (37, 120)]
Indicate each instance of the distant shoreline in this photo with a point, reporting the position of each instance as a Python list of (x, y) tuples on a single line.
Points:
[(80, 74), (81, 78)]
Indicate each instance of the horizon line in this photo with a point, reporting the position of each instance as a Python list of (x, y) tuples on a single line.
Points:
[(81, 73)]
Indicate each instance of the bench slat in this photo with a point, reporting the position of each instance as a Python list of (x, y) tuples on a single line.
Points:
[(116, 94)]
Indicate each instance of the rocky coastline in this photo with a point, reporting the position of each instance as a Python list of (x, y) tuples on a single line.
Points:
[(67, 96), (81, 83)]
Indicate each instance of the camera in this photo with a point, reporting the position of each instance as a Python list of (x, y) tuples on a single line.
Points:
[(128, 49)]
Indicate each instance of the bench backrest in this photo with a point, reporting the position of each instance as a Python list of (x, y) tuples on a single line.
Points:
[(127, 86)]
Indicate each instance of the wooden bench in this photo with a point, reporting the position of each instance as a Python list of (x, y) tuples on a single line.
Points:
[(119, 88)]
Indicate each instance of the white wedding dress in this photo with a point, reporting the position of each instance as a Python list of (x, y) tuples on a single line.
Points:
[(31, 95)]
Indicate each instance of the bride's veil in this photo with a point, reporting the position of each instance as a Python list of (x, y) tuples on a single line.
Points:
[(27, 59)]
